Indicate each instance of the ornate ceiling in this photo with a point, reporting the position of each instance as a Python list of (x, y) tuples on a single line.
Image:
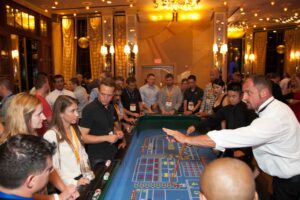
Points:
[(255, 13)]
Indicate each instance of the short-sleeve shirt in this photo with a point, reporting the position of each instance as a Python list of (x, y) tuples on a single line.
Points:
[(131, 97), (100, 121), (193, 95)]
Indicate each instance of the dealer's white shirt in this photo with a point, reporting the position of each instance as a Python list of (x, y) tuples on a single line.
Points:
[(274, 136)]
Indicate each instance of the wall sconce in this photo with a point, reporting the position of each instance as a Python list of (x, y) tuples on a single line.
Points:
[(15, 54), (131, 51), (107, 51), (127, 49), (224, 49), (135, 49), (218, 58), (215, 48), (295, 57), (249, 58), (15, 59), (103, 50)]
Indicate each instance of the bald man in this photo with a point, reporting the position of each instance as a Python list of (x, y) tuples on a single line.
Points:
[(227, 178), (274, 137)]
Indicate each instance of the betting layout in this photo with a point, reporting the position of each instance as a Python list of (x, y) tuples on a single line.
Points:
[(152, 176)]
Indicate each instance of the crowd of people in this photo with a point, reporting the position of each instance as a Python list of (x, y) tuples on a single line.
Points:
[(100, 114)]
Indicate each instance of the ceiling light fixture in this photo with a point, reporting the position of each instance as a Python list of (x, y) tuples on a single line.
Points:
[(272, 3), (46, 10), (255, 14), (285, 9), (176, 5), (225, 3), (108, 2)]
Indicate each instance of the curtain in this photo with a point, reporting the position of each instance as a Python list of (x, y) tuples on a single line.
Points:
[(260, 48), (95, 42), (120, 41), (292, 43), (68, 60)]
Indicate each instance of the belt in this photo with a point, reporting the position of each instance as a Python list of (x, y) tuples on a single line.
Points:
[(295, 178)]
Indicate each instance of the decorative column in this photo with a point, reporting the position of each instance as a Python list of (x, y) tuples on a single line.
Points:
[(95, 40), (68, 60), (120, 41)]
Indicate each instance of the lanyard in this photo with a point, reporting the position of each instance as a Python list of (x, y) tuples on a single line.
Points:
[(75, 147), (131, 95), (118, 111), (12, 196), (169, 94)]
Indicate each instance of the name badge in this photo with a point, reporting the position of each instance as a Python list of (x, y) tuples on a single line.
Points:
[(132, 107), (190, 105), (169, 103)]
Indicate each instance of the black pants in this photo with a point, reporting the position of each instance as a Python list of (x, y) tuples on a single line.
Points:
[(286, 189)]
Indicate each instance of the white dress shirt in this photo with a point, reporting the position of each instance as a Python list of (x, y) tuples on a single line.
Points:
[(52, 96), (274, 138)]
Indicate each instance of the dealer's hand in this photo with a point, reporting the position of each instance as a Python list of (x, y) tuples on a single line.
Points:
[(190, 130), (179, 137)]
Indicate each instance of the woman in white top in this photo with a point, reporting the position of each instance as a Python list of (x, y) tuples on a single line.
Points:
[(70, 159)]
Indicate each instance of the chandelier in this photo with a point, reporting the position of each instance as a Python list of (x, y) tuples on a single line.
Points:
[(176, 4)]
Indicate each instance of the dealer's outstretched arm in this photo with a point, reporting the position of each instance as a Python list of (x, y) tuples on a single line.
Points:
[(199, 140)]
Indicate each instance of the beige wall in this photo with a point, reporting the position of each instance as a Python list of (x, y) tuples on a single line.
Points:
[(185, 45)]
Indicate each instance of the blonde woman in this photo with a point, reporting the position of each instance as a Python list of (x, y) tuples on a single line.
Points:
[(70, 159), (24, 116)]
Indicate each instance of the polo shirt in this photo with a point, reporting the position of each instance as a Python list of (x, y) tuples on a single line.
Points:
[(100, 121), (193, 96), (131, 97)]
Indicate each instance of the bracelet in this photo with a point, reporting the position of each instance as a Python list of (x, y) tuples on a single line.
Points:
[(56, 196)]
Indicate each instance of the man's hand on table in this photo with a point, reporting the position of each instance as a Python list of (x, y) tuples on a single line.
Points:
[(175, 135)]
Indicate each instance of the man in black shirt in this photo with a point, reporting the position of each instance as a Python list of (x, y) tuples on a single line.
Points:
[(192, 97), (236, 115), (131, 99), (97, 125)]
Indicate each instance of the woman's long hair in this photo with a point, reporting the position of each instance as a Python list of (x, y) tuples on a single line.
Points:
[(18, 116), (60, 106)]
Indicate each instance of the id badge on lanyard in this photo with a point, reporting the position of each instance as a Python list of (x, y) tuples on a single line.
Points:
[(169, 103), (191, 106), (132, 107)]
